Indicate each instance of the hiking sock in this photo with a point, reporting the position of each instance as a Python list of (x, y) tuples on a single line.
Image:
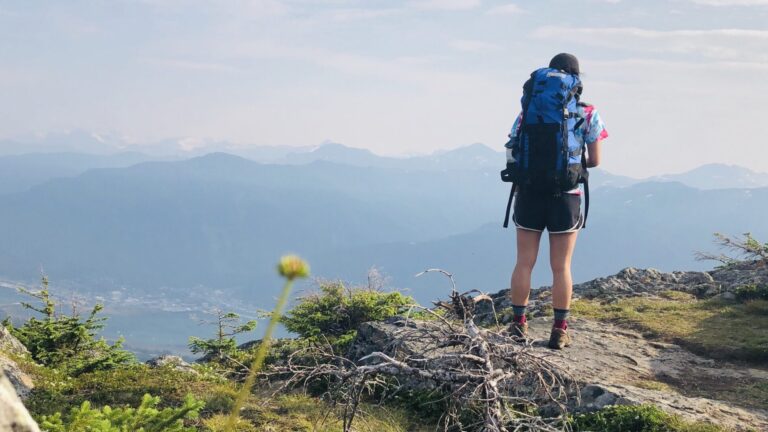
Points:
[(561, 316), (518, 314)]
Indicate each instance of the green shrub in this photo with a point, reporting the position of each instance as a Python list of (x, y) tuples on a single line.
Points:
[(67, 342), (125, 386), (638, 418), (336, 312), (751, 292), (147, 417)]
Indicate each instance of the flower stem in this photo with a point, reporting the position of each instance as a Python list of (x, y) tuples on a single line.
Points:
[(258, 361)]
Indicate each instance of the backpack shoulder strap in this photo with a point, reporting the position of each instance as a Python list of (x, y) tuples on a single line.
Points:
[(509, 204)]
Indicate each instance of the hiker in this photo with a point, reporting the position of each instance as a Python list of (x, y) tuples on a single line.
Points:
[(553, 141)]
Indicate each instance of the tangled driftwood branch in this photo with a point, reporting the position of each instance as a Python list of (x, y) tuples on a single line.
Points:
[(499, 381)]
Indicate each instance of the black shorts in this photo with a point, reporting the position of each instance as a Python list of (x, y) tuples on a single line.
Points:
[(557, 213)]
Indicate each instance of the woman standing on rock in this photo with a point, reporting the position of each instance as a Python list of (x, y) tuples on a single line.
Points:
[(552, 142)]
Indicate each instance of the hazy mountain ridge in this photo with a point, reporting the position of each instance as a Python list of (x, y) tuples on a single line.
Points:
[(718, 176), (202, 220), (20, 172), (25, 170), (209, 228)]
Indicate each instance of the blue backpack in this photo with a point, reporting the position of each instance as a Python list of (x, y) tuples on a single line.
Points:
[(547, 157)]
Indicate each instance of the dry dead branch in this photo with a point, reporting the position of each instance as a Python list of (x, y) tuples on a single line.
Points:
[(746, 246), (499, 381)]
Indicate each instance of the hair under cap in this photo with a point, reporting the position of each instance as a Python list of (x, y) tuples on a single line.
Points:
[(565, 62)]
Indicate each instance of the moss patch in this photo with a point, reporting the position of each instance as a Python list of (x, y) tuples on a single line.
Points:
[(713, 328), (56, 392), (298, 412), (650, 384), (646, 418)]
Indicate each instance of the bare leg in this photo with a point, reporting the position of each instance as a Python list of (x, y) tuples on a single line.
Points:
[(561, 248), (527, 251)]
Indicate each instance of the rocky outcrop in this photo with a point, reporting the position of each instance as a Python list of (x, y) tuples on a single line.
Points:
[(742, 273), (633, 282), (613, 366), (14, 417), (9, 344), (20, 381), (11, 347), (171, 361), (617, 366), (637, 282)]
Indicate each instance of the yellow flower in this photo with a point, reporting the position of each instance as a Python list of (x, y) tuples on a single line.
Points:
[(292, 267)]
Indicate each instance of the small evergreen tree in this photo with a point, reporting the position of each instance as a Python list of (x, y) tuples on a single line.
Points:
[(223, 344), (66, 342), (145, 418)]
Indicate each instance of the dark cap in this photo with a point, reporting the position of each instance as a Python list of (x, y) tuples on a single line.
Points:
[(565, 62)]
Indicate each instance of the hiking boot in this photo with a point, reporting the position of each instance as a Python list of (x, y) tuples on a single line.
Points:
[(559, 339), (518, 330)]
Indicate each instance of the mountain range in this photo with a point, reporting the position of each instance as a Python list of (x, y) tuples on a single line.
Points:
[(166, 239)]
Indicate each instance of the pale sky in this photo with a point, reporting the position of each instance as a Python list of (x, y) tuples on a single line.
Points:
[(679, 83)]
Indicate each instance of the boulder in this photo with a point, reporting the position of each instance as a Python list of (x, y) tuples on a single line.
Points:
[(384, 336), (20, 381), (631, 282), (9, 344), (742, 273), (172, 361), (10, 347), (14, 417)]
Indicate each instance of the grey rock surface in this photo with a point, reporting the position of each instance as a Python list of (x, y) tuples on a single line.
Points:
[(20, 381), (634, 282), (384, 336), (10, 347), (614, 366), (9, 343), (14, 417), (744, 273), (631, 282), (173, 361)]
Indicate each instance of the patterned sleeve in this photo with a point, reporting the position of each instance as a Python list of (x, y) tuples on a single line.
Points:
[(595, 126), (514, 132)]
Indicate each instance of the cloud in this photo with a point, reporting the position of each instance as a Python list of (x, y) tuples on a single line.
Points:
[(474, 45), (353, 14), (505, 9), (445, 4), (731, 2), (193, 65), (713, 44), (418, 70), (249, 9)]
